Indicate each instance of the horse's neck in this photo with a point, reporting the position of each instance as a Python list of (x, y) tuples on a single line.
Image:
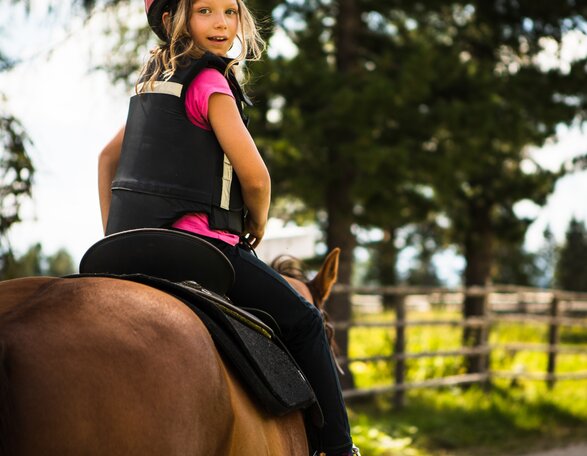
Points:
[(300, 287)]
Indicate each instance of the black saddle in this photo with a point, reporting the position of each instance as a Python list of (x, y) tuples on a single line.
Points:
[(172, 255)]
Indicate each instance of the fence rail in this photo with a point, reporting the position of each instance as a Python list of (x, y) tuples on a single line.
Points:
[(501, 304)]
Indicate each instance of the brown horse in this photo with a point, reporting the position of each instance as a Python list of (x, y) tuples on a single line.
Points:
[(100, 366)]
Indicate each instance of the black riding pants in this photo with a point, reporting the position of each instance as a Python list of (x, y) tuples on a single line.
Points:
[(258, 286)]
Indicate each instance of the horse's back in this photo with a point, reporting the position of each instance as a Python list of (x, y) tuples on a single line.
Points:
[(104, 366)]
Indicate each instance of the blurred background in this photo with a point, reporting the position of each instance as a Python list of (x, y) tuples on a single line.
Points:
[(439, 144)]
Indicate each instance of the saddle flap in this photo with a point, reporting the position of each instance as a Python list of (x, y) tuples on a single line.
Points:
[(172, 255)]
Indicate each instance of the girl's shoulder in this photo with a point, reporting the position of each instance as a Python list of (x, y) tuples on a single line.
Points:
[(207, 82), (210, 77)]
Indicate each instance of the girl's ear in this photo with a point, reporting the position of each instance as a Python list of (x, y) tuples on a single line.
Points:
[(165, 21)]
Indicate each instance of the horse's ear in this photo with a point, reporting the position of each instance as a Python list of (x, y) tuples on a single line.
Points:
[(327, 275)]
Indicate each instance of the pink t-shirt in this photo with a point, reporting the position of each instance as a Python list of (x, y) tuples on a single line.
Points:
[(207, 82)]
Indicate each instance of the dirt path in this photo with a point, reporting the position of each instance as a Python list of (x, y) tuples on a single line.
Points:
[(572, 450)]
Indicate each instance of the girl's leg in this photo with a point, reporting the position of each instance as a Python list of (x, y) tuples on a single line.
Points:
[(259, 286)]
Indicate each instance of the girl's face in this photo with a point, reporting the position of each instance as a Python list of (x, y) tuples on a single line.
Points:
[(214, 24)]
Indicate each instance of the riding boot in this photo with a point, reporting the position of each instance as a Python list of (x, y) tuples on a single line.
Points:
[(353, 452)]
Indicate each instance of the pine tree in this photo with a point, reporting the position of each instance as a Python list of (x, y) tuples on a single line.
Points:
[(392, 106), (571, 273)]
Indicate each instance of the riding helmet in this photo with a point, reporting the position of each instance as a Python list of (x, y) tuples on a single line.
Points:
[(155, 10)]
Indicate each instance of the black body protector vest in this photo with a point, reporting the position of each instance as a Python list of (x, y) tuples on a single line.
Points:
[(168, 166)]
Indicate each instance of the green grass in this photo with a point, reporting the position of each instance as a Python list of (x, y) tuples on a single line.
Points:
[(509, 418)]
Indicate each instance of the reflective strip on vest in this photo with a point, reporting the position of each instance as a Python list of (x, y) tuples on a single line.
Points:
[(226, 183), (166, 87)]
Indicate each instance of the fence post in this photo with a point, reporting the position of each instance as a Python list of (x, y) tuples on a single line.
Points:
[(484, 358), (553, 340), (399, 350), (522, 303), (475, 335)]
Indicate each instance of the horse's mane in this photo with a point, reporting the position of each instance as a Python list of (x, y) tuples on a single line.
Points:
[(293, 267), (290, 266)]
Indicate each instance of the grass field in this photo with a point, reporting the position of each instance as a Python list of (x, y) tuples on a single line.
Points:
[(509, 418)]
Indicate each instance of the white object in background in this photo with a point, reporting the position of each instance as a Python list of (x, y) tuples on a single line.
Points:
[(282, 239)]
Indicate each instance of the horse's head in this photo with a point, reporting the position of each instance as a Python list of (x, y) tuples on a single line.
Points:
[(315, 290)]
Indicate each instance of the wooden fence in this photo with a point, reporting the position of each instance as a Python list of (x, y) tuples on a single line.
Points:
[(554, 308)]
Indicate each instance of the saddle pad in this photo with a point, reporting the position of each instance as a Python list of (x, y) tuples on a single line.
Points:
[(258, 357)]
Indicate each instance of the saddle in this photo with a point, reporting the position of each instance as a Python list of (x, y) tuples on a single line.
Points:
[(198, 274)]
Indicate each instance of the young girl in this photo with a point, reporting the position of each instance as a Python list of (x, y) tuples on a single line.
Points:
[(186, 160)]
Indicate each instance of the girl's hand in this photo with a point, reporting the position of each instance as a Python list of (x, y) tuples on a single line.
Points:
[(254, 232)]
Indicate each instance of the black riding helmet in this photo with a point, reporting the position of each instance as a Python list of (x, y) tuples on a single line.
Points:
[(155, 10)]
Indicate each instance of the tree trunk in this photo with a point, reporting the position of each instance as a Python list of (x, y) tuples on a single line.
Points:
[(339, 202), (338, 233), (386, 266), (479, 257), (348, 25)]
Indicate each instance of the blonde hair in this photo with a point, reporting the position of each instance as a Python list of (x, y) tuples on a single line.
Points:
[(168, 56)]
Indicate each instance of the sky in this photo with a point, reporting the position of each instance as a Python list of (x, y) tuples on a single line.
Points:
[(71, 112)]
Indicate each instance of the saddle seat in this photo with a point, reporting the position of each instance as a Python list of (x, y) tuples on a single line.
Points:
[(198, 274), (168, 254)]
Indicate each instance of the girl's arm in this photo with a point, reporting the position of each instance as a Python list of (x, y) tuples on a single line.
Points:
[(242, 152), (107, 164)]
